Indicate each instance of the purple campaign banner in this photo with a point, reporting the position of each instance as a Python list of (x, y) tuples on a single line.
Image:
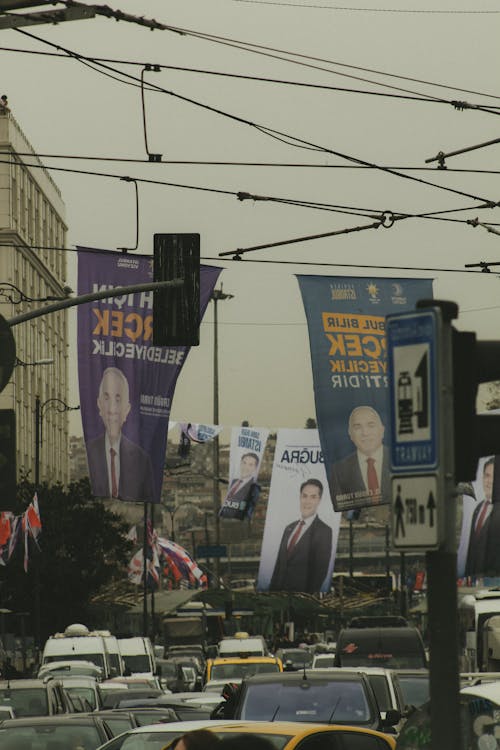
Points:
[(346, 322), (126, 383)]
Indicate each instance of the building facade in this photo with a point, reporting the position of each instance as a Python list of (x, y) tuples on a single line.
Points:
[(33, 271)]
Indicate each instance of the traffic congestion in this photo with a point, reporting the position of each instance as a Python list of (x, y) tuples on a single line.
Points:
[(369, 690)]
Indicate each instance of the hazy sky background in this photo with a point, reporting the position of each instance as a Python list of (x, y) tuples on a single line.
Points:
[(68, 108)]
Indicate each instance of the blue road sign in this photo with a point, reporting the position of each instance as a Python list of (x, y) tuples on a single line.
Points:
[(413, 390)]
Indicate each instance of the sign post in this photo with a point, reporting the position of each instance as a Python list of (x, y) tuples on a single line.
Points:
[(420, 367)]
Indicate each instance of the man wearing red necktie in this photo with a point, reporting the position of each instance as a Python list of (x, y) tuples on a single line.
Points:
[(118, 468), (305, 550), (476, 563)]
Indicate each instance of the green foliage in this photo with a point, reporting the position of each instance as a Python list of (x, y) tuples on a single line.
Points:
[(82, 549)]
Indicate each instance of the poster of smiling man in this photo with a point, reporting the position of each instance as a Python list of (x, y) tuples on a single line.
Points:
[(346, 323), (301, 528), (247, 448)]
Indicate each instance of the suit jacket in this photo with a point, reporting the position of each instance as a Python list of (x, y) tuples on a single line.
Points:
[(347, 479), (241, 503), (476, 551), (305, 568), (136, 472)]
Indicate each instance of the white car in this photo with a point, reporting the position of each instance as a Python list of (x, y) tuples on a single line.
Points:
[(68, 667), (157, 736), (323, 661)]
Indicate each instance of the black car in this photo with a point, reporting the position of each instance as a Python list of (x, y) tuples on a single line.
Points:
[(319, 697), (185, 711), (118, 720), (55, 732), (35, 697), (294, 658)]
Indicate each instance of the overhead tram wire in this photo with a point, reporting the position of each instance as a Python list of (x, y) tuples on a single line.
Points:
[(242, 195), (424, 11), (214, 163), (152, 24), (273, 133), (260, 79)]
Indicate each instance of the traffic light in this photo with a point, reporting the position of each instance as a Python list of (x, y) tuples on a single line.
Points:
[(476, 435), (176, 310), (7, 459)]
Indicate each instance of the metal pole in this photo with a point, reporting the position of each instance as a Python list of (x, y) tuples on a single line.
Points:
[(388, 558), (37, 605), (145, 574), (152, 586), (216, 498), (351, 550), (402, 584)]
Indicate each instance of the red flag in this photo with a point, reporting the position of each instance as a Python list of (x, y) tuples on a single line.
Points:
[(32, 523), (5, 529)]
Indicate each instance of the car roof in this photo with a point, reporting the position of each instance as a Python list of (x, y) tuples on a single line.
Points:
[(28, 721), (489, 690), (311, 675), (243, 660), (24, 684)]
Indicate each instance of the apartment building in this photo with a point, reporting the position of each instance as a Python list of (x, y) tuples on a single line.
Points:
[(32, 224)]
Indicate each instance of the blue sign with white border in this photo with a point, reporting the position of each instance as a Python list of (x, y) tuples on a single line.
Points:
[(413, 390)]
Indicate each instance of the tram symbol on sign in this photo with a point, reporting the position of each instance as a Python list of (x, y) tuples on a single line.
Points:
[(413, 397)]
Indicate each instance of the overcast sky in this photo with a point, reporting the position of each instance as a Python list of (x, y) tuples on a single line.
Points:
[(68, 108)]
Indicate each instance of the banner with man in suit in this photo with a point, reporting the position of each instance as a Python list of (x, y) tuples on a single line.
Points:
[(301, 530), (247, 448), (126, 383), (346, 322)]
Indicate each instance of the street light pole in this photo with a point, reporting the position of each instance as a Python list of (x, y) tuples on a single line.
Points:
[(60, 406), (217, 296)]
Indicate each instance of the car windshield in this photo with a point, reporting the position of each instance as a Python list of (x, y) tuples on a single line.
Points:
[(87, 694), (226, 671), (94, 658), (297, 657), (137, 663), (62, 737), (415, 689), (341, 702), (26, 701), (324, 661)]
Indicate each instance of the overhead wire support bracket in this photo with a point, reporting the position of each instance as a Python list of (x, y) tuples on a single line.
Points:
[(156, 69), (441, 156), (126, 249), (476, 223)]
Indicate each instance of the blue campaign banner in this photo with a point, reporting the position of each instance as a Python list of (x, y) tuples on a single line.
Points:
[(346, 322)]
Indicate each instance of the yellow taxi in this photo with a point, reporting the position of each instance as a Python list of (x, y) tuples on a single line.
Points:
[(235, 668), (284, 735)]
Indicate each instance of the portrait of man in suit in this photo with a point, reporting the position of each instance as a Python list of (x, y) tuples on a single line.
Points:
[(363, 477), (306, 546), (478, 559), (243, 492), (118, 468)]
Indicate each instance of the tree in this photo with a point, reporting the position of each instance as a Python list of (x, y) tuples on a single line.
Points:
[(311, 423), (82, 549)]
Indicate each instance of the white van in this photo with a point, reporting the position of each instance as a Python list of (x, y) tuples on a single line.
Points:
[(243, 644), (137, 655), (79, 643)]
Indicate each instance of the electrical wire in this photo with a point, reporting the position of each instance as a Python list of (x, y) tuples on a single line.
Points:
[(425, 11), (260, 79), (300, 142), (212, 163)]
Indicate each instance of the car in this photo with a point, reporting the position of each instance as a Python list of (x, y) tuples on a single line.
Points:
[(112, 698), (119, 720), (414, 686), (283, 735), (323, 661), (315, 696), (54, 732), (479, 719), (70, 668), (236, 668), (84, 688), (294, 658), (399, 647), (35, 697), (171, 675), (184, 710), (138, 679), (242, 644)]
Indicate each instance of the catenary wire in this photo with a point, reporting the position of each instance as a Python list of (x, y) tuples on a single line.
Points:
[(300, 142), (260, 79), (214, 163), (425, 11)]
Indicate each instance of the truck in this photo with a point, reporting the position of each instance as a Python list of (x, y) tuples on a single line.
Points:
[(78, 643)]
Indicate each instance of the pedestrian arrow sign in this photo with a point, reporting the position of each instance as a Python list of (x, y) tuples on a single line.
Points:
[(415, 512)]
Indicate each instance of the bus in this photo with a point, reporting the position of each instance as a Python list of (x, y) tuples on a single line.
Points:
[(474, 609)]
